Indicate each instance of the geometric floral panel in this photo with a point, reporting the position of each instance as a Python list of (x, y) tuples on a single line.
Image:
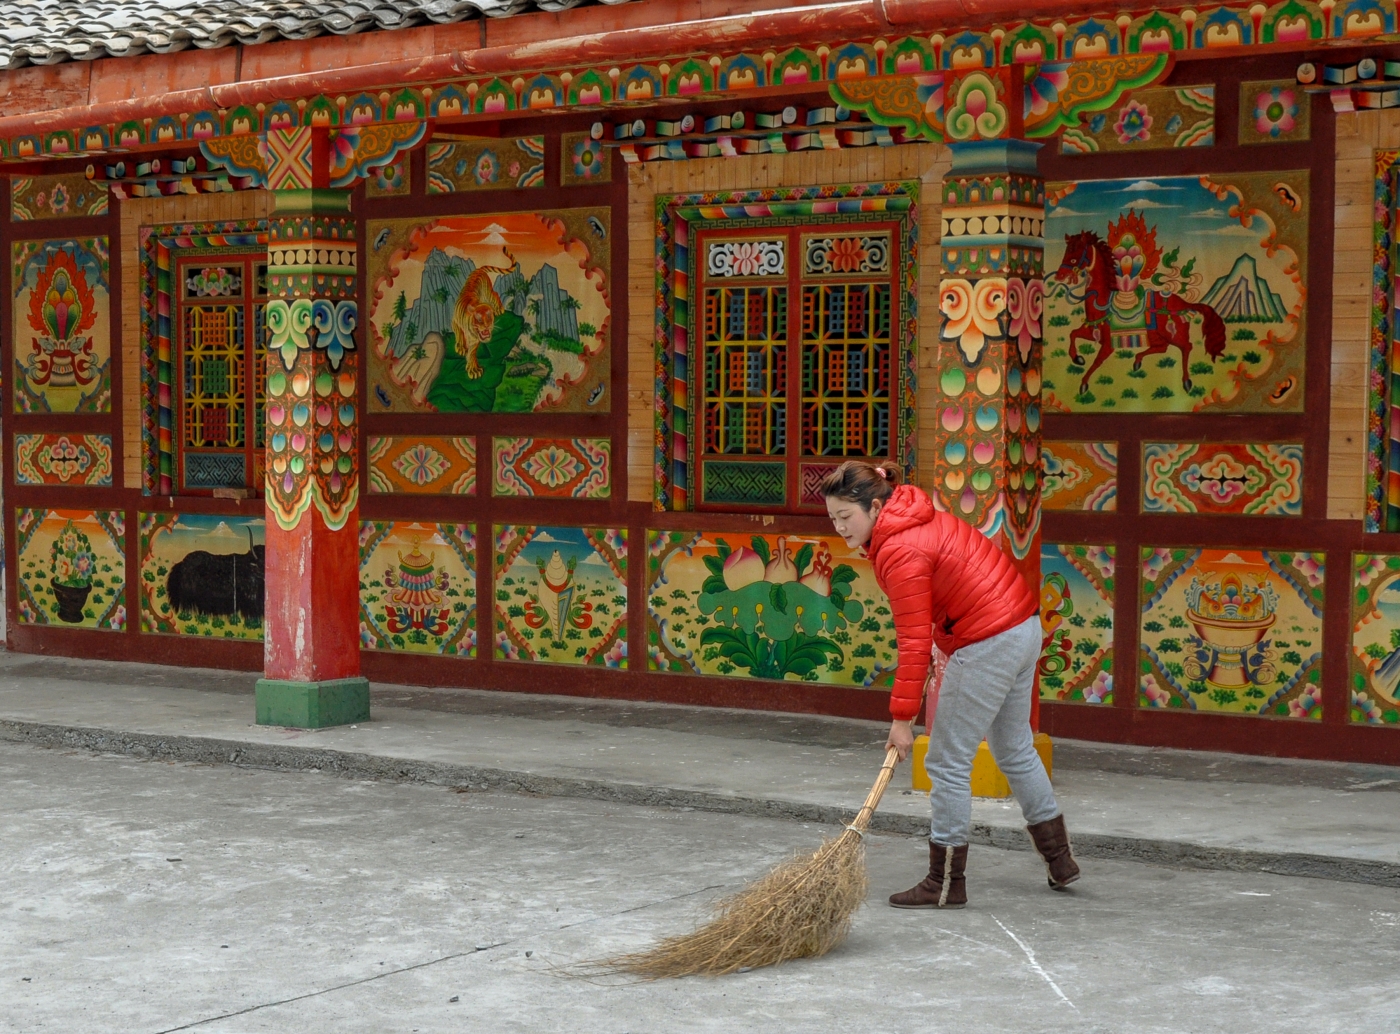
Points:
[(72, 568), (802, 609), (202, 574), (422, 465), (1195, 477), (561, 595), (561, 468), (1176, 294), (1277, 111), (391, 180), (584, 161), (1375, 640), (1150, 120), (60, 322), (60, 459), (1079, 475), (485, 165), (418, 587), (504, 312), (1076, 621), (1237, 631), (66, 196)]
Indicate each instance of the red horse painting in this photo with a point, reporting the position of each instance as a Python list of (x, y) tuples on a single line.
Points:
[(1117, 301)]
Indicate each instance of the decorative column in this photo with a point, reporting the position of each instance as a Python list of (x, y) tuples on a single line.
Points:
[(312, 652), (991, 299)]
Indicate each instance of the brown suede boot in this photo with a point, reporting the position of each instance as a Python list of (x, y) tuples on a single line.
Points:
[(1051, 841), (944, 886)]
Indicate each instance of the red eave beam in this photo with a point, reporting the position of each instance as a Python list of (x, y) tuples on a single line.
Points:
[(790, 26)]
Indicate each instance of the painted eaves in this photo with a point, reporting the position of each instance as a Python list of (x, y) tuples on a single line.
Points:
[(45, 32)]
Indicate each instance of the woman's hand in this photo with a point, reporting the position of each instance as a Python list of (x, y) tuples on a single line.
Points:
[(901, 738)]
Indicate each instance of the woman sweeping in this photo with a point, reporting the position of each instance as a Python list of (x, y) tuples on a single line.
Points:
[(949, 585)]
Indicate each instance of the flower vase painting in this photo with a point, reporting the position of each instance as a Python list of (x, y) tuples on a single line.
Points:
[(504, 313), (1238, 631), (72, 568), (784, 607)]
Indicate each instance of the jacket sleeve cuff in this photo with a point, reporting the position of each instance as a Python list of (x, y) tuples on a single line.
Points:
[(904, 710)]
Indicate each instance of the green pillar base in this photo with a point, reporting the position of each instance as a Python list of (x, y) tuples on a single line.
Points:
[(312, 705)]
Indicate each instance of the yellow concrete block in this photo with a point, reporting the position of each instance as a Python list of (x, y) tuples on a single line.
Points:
[(987, 780)]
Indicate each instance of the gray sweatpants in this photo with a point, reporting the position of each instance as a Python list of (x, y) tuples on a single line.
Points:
[(986, 694)]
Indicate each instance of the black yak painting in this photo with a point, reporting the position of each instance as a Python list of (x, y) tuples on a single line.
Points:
[(219, 584)]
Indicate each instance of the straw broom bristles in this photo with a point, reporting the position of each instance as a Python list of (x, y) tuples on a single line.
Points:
[(801, 909)]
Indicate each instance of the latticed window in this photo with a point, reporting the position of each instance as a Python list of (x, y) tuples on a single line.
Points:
[(795, 336), (220, 356)]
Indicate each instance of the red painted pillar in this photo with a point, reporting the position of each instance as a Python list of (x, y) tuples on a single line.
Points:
[(987, 462), (312, 648)]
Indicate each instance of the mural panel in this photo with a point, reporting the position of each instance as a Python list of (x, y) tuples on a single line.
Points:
[(1275, 111), (560, 468), (422, 465), (418, 587), (505, 313), (60, 459), (1076, 621), (72, 568), (71, 195), (392, 180), (61, 326), (1263, 479), (1176, 295), (583, 161), (1375, 640), (561, 595), (1238, 631), (766, 606), (1149, 120), (202, 574), (1079, 475), (485, 165)]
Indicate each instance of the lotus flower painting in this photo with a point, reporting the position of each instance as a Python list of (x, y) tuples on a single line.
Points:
[(61, 326), (796, 608)]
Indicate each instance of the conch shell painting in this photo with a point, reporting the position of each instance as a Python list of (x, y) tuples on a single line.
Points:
[(561, 595)]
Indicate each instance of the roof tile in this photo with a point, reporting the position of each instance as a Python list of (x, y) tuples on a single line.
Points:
[(46, 32)]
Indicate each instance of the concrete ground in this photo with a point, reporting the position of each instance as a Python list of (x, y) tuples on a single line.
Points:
[(1335, 821), (148, 896)]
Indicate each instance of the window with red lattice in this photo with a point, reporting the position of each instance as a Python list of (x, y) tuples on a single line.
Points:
[(795, 329)]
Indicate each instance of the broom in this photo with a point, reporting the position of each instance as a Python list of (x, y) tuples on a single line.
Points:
[(801, 909)]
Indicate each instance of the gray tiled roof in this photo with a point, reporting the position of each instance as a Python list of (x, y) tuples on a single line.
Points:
[(44, 32)]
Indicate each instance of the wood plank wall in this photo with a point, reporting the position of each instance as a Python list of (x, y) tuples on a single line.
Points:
[(924, 162), (240, 205), (1359, 136)]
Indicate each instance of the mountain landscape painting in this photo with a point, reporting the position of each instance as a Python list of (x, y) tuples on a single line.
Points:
[(501, 313), (1176, 295)]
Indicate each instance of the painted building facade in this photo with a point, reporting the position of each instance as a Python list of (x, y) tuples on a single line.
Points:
[(521, 356)]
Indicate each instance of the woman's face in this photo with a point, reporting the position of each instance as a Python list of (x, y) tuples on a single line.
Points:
[(853, 522)]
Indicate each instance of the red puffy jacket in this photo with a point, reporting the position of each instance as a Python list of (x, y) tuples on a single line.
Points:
[(947, 583)]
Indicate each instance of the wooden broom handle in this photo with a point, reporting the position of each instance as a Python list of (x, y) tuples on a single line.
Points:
[(872, 801)]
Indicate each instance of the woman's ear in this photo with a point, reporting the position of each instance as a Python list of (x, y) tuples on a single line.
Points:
[(876, 505)]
